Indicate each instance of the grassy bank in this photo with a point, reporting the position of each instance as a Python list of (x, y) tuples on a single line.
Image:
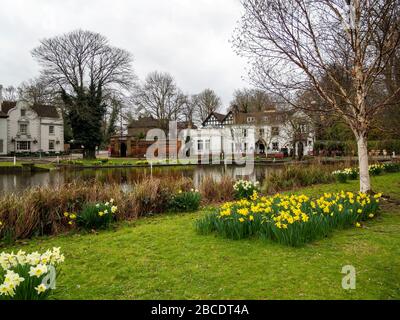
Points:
[(163, 258)]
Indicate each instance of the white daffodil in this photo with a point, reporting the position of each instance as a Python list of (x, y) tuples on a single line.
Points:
[(40, 288), (37, 271)]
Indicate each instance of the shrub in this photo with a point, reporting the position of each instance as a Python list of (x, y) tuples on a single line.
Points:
[(244, 189), (185, 201), (94, 216), (289, 219), (27, 276)]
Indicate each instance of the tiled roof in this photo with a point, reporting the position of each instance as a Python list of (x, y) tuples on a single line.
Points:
[(145, 122), (3, 115), (7, 106), (44, 111)]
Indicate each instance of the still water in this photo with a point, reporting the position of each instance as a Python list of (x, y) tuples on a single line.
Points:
[(126, 176)]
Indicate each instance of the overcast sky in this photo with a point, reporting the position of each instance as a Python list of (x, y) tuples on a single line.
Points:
[(187, 38)]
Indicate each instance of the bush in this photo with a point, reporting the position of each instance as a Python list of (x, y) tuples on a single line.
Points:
[(185, 201), (27, 276), (289, 219), (94, 216), (245, 189)]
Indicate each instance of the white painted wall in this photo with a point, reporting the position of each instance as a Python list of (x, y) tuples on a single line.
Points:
[(3, 135), (38, 130), (234, 135)]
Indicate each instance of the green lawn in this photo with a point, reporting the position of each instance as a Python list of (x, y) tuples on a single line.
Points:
[(163, 258)]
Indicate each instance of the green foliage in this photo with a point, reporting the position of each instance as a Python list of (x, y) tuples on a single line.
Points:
[(291, 220), (245, 189), (185, 201), (96, 216), (341, 177)]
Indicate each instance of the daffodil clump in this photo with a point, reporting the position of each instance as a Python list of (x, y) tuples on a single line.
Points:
[(97, 216), (244, 189), (290, 219), (29, 276), (185, 201), (373, 169), (345, 174)]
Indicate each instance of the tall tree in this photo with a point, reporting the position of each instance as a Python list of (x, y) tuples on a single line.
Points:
[(205, 102), (251, 100), (292, 43), (160, 98), (86, 70)]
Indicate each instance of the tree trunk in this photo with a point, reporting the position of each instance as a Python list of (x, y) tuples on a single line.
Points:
[(365, 184), (89, 153)]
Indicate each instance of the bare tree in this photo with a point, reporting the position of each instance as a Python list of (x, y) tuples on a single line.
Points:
[(10, 93), (160, 98), (206, 102), (86, 70), (292, 43), (251, 100), (35, 91)]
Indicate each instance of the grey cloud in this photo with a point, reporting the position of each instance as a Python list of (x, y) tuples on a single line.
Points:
[(187, 38)]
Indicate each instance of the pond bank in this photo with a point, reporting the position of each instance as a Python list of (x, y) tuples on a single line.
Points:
[(164, 258)]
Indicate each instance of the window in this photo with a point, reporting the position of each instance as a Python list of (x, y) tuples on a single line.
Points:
[(261, 131), (23, 145), (265, 119), (51, 144), (208, 145), (275, 146), (1, 146), (200, 145), (275, 131), (23, 112), (250, 119), (23, 128), (51, 130), (245, 133), (245, 147)]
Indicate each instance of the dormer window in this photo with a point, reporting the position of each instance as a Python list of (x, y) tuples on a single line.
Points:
[(23, 112), (250, 119)]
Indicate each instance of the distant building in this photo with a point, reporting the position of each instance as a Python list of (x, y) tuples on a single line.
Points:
[(269, 133), (134, 143), (30, 128)]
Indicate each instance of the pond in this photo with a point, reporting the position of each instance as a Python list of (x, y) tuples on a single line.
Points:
[(126, 176)]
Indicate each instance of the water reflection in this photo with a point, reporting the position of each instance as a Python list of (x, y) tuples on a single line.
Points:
[(127, 176)]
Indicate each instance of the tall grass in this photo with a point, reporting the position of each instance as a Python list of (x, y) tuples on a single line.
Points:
[(217, 191), (292, 177), (40, 211)]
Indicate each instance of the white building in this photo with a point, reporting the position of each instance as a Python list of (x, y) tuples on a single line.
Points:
[(269, 133), (31, 128), (3, 133)]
